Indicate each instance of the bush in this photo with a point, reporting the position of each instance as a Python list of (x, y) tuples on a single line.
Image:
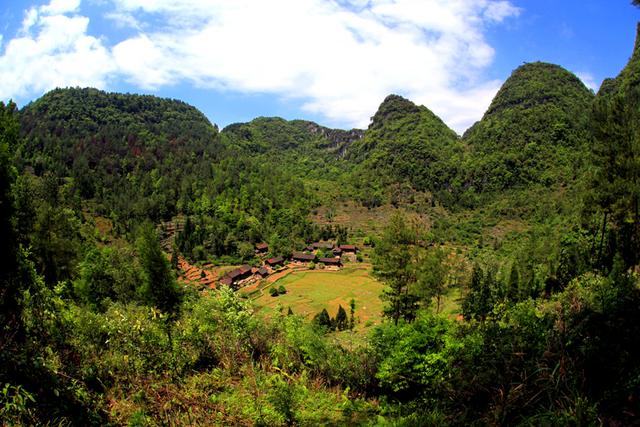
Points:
[(282, 290), (341, 320), (312, 266), (273, 292), (323, 319)]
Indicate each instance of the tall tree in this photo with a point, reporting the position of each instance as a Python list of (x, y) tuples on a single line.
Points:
[(20, 340), (478, 302), (342, 321), (10, 283), (617, 156), (433, 273), (394, 265), (159, 286)]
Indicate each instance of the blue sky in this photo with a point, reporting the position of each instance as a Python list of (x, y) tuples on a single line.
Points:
[(331, 61)]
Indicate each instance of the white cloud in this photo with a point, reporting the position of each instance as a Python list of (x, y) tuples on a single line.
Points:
[(53, 50), (30, 19), (143, 63), (56, 7), (589, 80), (124, 20), (499, 10), (340, 58)]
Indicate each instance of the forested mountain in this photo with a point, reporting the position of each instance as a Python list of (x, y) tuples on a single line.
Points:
[(303, 148), (406, 144), (132, 159), (536, 131), (273, 134), (119, 148)]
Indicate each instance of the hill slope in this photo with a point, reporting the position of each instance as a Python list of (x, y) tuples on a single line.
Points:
[(534, 132), (141, 157), (406, 144), (269, 134)]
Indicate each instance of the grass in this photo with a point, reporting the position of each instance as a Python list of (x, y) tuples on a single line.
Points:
[(451, 303), (308, 292)]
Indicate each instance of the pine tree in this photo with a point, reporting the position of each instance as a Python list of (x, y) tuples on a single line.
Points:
[(393, 264), (432, 277), (159, 286), (513, 285), (175, 256), (352, 310), (341, 319), (323, 319), (10, 284), (478, 302)]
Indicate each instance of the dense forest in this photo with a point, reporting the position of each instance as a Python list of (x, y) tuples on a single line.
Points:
[(532, 215)]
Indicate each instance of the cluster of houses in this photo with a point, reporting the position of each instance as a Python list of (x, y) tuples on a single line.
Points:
[(245, 272), (310, 256)]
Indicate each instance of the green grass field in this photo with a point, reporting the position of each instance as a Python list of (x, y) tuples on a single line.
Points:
[(308, 292)]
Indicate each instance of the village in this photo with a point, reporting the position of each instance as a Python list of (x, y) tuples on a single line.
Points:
[(321, 255)]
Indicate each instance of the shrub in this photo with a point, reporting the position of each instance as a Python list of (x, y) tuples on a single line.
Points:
[(282, 290), (273, 292), (341, 319), (312, 266), (323, 319)]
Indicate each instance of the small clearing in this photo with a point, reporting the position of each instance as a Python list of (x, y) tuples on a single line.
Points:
[(308, 292)]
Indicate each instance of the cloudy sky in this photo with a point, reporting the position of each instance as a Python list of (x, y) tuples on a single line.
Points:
[(331, 61)]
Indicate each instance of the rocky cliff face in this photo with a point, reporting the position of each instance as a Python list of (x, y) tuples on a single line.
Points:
[(338, 140)]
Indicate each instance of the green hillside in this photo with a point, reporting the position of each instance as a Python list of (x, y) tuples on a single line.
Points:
[(119, 148), (405, 144), (535, 132)]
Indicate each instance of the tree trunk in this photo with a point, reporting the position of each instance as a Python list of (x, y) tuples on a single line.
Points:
[(604, 228)]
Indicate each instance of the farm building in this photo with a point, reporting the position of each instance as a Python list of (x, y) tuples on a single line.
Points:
[(272, 262), (331, 261), (349, 248), (302, 257), (262, 248), (236, 275)]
